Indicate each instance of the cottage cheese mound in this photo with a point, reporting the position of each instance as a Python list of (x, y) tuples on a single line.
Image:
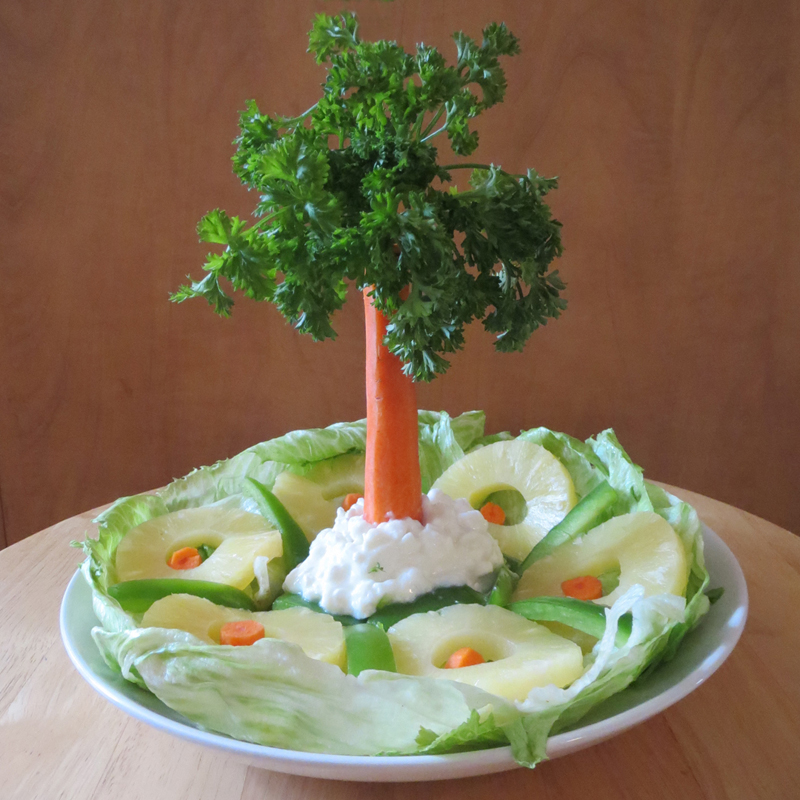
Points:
[(355, 565)]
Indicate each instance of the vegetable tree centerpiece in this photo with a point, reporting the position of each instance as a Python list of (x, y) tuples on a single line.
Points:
[(352, 191), (263, 597)]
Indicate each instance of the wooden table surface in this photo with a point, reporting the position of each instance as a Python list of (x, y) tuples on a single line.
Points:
[(737, 736)]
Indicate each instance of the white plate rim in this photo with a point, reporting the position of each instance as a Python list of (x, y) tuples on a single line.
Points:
[(435, 767)]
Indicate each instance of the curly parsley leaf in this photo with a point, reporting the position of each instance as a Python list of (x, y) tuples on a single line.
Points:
[(351, 191)]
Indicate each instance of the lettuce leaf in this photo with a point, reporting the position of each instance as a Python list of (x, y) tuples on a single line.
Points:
[(625, 476), (271, 692), (584, 467), (590, 463), (442, 443)]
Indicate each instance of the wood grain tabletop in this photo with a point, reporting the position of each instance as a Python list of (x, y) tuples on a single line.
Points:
[(737, 736)]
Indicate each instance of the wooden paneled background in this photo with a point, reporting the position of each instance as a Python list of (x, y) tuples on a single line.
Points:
[(673, 127)]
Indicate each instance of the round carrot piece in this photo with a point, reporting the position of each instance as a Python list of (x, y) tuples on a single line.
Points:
[(350, 500), (493, 513), (464, 657), (584, 587), (185, 558), (241, 632)]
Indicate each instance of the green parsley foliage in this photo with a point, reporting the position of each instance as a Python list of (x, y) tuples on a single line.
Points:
[(351, 191)]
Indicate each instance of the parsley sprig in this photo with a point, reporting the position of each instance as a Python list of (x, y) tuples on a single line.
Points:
[(351, 190)]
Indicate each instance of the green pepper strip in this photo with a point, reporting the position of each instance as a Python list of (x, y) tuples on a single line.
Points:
[(609, 580), (295, 544), (589, 512), (503, 587), (394, 612), (368, 647), (288, 600), (137, 596), (433, 601), (205, 551), (583, 615)]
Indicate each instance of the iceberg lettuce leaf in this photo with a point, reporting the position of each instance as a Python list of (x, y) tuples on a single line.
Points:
[(271, 693), (584, 467), (478, 732), (440, 444), (625, 476)]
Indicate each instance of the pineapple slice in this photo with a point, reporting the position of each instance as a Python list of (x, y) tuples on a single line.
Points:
[(520, 654), (319, 635), (643, 545), (239, 536), (304, 500), (541, 479), (339, 476)]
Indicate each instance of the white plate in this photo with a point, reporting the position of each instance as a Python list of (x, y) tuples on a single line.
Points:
[(702, 652)]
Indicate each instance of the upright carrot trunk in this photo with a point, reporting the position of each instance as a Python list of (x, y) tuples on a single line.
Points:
[(392, 477)]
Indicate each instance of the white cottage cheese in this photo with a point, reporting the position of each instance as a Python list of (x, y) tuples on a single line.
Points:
[(355, 565)]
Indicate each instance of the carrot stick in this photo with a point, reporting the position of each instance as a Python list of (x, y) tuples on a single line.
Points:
[(493, 513), (584, 587), (392, 483), (185, 558), (465, 657), (241, 632)]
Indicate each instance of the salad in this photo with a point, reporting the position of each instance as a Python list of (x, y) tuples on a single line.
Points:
[(328, 683), (404, 584)]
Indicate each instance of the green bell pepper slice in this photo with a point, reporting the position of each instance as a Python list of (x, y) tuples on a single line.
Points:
[(368, 647), (504, 586), (389, 614), (136, 597), (295, 544), (583, 615), (589, 512)]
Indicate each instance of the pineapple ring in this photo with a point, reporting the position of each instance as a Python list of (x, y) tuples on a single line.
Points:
[(306, 503), (339, 476), (541, 479), (520, 655), (239, 536), (319, 635), (643, 544)]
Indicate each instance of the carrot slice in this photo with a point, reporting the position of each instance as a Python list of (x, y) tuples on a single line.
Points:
[(584, 587), (185, 558), (241, 632), (493, 513), (464, 657), (392, 482), (350, 500)]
